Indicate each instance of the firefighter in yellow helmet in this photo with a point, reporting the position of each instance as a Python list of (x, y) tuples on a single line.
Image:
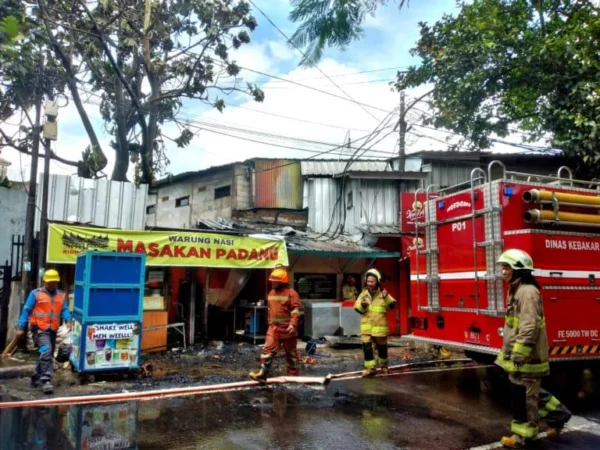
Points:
[(285, 309), (43, 310), (524, 354), (372, 304)]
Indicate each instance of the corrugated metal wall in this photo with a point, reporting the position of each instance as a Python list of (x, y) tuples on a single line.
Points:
[(368, 202), (322, 196), (105, 203), (375, 203), (278, 184)]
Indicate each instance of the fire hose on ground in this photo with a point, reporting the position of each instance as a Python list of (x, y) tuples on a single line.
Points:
[(225, 387)]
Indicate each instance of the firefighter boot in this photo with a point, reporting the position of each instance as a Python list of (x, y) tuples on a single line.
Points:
[(514, 441), (385, 371), (47, 388), (369, 360), (261, 374)]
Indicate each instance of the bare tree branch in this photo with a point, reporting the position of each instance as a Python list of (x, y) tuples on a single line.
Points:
[(23, 149)]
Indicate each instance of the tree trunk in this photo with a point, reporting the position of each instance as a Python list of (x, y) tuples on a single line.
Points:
[(121, 166), (122, 144)]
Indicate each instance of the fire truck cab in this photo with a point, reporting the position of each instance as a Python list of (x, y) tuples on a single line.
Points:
[(457, 296)]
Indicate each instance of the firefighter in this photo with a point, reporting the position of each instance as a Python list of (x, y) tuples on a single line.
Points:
[(285, 309), (349, 291), (43, 310), (524, 354), (372, 304)]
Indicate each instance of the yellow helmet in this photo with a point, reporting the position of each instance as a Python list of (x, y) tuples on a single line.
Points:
[(50, 276), (279, 275)]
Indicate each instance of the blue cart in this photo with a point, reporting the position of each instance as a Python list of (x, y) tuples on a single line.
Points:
[(107, 311)]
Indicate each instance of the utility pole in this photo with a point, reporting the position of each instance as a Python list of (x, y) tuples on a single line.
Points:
[(30, 215), (50, 134), (44, 213), (402, 133)]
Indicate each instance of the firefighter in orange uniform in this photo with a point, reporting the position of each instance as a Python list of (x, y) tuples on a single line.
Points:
[(285, 309), (43, 310)]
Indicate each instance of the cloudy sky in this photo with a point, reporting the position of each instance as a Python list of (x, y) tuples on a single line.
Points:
[(312, 123)]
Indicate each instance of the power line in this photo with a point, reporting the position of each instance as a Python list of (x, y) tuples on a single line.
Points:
[(349, 74), (210, 127), (281, 116), (304, 56), (379, 80), (267, 143), (269, 135), (331, 94)]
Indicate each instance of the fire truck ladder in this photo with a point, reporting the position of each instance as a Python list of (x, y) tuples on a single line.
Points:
[(432, 278), (493, 241)]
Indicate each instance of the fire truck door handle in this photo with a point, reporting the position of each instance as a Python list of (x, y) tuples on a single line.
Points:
[(559, 341), (556, 273)]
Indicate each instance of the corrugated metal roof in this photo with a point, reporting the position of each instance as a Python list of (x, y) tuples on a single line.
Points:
[(216, 225), (301, 241), (381, 230), (323, 168)]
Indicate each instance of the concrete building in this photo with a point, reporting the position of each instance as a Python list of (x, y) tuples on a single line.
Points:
[(322, 196)]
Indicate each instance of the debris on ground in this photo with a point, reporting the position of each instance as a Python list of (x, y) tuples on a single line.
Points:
[(218, 362)]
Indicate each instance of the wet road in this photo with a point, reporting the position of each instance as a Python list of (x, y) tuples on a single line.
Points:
[(429, 410)]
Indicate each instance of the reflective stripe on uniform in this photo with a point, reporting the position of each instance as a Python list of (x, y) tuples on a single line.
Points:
[(383, 361), (552, 404), (379, 330), (278, 298), (296, 311), (370, 364), (511, 321), (510, 367), (377, 309), (521, 349), (523, 429), (279, 319), (514, 321)]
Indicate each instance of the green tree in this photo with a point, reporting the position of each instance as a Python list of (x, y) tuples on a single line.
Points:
[(500, 65), (333, 23), (138, 61)]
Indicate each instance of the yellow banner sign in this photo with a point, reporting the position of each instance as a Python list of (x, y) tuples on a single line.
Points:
[(168, 248)]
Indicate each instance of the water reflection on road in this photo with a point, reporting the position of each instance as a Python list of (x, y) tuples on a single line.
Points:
[(421, 411)]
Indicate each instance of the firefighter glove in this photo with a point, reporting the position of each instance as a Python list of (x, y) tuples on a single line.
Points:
[(517, 359)]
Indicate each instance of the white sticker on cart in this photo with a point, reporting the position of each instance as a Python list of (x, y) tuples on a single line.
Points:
[(111, 331)]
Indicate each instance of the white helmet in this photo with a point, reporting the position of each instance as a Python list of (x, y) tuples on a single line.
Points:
[(375, 273), (516, 259)]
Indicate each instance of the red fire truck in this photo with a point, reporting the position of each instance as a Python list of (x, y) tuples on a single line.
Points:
[(457, 296)]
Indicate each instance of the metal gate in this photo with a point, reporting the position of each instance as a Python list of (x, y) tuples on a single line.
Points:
[(5, 278)]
